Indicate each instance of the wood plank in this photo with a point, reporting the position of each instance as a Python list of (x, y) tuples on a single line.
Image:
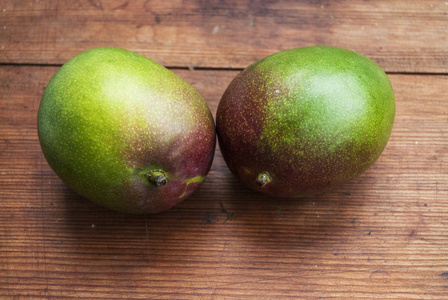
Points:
[(401, 36), (381, 236)]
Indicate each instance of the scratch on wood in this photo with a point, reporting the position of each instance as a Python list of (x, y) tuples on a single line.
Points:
[(39, 166), (96, 4), (123, 6), (230, 216), (378, 272), (223, 250), (147, 237)]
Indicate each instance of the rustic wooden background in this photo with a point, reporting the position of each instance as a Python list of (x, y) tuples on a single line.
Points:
[(384, 235)]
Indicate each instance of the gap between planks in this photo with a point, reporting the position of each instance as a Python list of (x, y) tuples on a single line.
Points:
[(192, 68)]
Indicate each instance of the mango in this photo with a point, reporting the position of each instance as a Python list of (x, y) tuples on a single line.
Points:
[(125, 132), (305, 120)]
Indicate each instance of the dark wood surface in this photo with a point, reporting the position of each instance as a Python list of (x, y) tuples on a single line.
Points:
[(400, 35), (383, 235)]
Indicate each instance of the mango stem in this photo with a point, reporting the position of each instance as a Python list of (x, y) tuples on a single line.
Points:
[(157, 177), (263, 179)]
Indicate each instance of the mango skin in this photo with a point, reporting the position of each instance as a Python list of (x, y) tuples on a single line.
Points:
[(109, 116), (312, 118)]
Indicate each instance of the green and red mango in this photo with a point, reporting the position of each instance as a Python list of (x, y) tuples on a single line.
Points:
[(303, 120), (110, 120)]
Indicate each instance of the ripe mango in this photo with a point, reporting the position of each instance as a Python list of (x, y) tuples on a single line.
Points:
[(125, 132), (301, 121)]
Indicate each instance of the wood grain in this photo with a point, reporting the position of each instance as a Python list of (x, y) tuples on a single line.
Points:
[(401, 36), (382, 236)]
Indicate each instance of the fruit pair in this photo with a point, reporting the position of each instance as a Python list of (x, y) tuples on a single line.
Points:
[(132, 136)]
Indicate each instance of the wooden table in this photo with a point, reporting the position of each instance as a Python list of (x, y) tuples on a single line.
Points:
[(383, 235)]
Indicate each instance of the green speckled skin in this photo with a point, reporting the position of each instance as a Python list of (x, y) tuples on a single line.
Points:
[(109, 116), (312, 118)]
